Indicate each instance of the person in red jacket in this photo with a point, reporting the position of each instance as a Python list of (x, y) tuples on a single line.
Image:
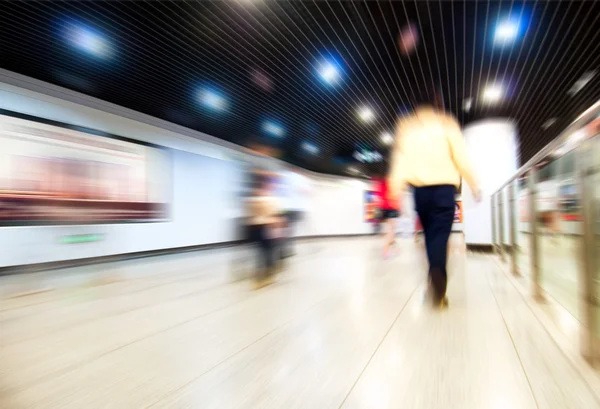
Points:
[(389, 211)]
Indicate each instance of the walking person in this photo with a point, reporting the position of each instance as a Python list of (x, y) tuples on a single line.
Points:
[(389, 211), (264, 225), (430, 156)]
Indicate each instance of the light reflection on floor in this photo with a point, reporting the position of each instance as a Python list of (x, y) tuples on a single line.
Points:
[(341, 328)]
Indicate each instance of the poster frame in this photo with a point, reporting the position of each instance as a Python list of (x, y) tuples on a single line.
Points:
[(91, 131)]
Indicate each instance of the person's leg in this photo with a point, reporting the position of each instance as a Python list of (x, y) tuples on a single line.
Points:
[(423, 200), (263, 248), (271, 256), (438, 232), (390, 234), (383, 232), (392, 222), (394, 228), (255, 237)]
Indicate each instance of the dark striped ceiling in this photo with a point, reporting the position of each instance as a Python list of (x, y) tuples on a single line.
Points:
[(250, 69)]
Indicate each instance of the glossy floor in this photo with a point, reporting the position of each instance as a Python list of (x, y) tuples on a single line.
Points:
[(559, 268), (341, 328)]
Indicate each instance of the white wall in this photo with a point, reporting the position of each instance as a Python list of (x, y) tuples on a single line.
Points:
[(205, 179), (336, 207), (492, 147)]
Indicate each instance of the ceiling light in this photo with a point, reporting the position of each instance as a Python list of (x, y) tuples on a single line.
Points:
[(329, 73), (548, 123), (366, 114), (387, 138), (506, 32), (310, 148), (366, 156), (262, 80), (88, 41), (213, 99), (329, 70), (467, 104), (581, 82), (273, 129), (492, 93)]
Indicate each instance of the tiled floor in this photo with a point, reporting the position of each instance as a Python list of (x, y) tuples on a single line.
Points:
[(340, 329)]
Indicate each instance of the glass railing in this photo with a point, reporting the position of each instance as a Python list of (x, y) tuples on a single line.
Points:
[(546, 222)]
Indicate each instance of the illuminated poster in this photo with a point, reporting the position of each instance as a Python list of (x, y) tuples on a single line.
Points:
[(53, 174), (371, 206), (569, 202)]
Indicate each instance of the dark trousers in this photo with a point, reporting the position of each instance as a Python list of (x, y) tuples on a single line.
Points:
[(435, 206), (267, 250)]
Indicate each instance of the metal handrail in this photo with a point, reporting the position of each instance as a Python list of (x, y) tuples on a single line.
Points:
[(556, 143), (587, 265)]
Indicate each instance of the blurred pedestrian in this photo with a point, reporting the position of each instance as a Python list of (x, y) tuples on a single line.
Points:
[(430, 155), (389, 213), (264, 226)]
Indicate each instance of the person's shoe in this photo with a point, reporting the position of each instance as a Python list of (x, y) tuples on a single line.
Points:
[(439, 303), (258, 284), (444, 302), (270, 279)]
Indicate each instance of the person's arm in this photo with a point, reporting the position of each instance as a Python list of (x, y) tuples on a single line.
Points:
[(460, 157)]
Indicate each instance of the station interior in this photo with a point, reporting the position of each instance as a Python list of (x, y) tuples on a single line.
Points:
[(144, 147)]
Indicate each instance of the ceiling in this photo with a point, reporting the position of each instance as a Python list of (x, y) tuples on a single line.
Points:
[(295, 74)]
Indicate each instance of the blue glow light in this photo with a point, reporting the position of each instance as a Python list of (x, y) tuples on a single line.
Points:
[(213, 99), (89, 41), (366, 156), (506, 32), (273, 128), (310, 148), (330, 71)]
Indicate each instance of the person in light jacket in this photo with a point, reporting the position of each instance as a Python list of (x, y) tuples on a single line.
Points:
[(430, 156), (264, 226)]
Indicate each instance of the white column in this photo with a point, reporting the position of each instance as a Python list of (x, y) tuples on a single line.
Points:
[(493, 148)]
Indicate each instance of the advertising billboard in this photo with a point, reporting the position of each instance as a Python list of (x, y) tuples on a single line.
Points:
[(371, 206), (53, 173)]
